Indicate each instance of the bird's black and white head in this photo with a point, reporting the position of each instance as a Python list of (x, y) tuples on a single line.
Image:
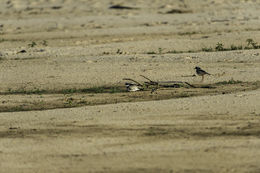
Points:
[(197, 68)]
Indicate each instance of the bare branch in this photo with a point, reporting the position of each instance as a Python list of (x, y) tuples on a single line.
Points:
[(150, 81), (160, 84), (139, 84)]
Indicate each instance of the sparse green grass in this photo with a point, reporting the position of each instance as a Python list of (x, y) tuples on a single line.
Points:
[(68, 91), (155, 131), (220, 46), (233, 47), (68, 98), (187, 33), (24, 91), (160, 51), (113, 89), (205, 49), (251, 44), (2, 40), (175, 51), (231, 81), (101, 89), (32, 44)]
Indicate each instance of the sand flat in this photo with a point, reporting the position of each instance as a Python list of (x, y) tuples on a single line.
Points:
[(48, 48)]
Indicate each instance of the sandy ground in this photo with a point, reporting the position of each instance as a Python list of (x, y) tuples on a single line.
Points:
[(62, 44)]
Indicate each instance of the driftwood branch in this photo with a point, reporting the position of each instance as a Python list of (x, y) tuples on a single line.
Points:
[(166, 83), (137, 83), (155, 85), (150, 81)]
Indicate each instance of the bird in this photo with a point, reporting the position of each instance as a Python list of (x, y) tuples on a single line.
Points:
[(132, 87), (201, 72)]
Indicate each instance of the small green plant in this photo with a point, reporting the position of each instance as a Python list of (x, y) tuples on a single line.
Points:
[(160, 50), (251, 44), (32, 44), (69, 101), (119, 51), (249, 41), (219, 47)]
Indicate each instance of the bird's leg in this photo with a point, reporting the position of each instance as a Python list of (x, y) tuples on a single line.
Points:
[(202, 79)]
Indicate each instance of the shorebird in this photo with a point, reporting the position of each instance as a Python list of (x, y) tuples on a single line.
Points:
[(201, 72), (132, 87)]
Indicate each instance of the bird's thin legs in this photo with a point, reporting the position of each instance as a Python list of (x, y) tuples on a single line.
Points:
[(202, 79)]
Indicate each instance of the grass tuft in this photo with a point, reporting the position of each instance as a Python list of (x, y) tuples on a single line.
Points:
[(219, 47), (32, 44), (205, 49)]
